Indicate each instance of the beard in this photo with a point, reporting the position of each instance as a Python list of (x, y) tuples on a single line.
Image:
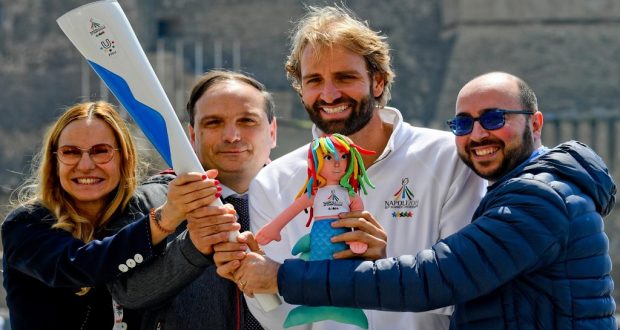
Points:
[(359, 117), (512, 156)]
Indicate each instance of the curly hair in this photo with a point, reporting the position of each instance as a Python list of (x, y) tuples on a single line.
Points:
[(354, 178), (325, 27)]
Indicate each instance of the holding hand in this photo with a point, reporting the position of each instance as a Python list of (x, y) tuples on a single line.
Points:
[(367, 231), (257, 274), (210, 225), (186, 193), (228, 255)]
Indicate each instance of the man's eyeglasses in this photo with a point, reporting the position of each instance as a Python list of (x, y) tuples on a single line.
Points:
[(491, 119), (99, 154)]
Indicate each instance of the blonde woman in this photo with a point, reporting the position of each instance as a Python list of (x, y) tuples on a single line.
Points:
[(83, 221)]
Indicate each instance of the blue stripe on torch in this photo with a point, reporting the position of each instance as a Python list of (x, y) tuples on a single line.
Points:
[(150, 120)]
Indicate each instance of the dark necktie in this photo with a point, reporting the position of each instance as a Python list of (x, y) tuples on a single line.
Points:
[(241, 206)]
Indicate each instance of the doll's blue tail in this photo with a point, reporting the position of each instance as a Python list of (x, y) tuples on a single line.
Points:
[(321, 246), (307, 314), (302, 247)]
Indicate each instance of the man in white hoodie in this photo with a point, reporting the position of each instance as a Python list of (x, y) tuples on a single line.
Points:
[(341, 70)]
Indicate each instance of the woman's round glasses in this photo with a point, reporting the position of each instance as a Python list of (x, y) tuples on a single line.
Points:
[(99, 154)]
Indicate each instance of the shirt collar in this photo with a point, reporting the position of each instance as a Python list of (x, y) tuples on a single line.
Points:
[(227, 192), (537, 153), (388, 115)]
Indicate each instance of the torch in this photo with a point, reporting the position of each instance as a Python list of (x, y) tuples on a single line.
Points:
[(102, 34)]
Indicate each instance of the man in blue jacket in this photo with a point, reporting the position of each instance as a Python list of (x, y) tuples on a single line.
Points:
[(534, 257)]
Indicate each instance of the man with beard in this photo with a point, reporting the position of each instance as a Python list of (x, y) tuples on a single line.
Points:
[(342, 72), (535, 255)]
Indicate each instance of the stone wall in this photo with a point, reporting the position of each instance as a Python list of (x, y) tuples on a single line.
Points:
[(567, 50)]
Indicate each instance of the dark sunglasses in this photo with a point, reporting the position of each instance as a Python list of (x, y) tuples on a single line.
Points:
[(491, 119), (99, 154)]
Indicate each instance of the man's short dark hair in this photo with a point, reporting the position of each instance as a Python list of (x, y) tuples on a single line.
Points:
[(213, 77), (527, 96)]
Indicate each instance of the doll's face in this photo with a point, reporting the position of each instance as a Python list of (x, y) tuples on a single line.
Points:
[(333, 169)]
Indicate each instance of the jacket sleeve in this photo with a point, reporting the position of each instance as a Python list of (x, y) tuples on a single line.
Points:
[(524, 226), (57, 259), (162, 278)]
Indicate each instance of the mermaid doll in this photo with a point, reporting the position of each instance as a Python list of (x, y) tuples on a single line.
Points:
[(336, 173)]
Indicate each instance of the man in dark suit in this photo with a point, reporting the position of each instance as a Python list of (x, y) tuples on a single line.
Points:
[(232, 129)]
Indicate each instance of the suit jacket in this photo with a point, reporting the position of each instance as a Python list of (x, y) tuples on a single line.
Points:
[(181, 290), (45, 267)]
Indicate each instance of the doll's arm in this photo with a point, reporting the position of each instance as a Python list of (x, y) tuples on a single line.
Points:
[(271, 231), (357, 205)]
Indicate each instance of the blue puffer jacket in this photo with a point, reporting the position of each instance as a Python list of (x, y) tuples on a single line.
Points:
[(534, 257)]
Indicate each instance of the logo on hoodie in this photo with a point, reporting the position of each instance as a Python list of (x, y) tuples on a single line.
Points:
[(404, 202)]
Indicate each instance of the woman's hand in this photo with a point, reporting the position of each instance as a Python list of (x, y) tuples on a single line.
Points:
[(186, 193)]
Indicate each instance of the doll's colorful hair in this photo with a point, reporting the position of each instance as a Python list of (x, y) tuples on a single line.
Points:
[(354, 178)]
